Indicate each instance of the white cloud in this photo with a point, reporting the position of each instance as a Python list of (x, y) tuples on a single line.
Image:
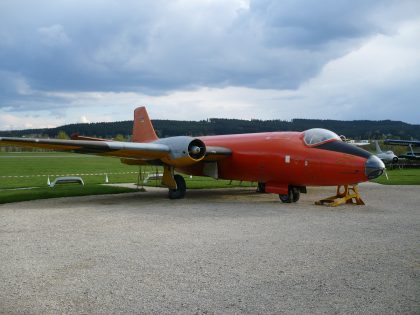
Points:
[(188, 59), (84, 119), (13, 122), (53, 35), (165, 45), (376, 81)]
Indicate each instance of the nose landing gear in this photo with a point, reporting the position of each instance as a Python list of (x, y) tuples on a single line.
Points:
[(293, 195)]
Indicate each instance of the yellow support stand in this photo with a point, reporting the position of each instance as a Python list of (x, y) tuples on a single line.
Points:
[(350, 195), (168, 177)]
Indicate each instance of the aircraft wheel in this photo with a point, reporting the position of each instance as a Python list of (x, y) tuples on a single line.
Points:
[(261, 188), (180, 190), (292, 196), (287, 198)]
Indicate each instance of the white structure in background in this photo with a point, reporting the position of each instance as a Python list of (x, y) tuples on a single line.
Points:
[(67, 180)]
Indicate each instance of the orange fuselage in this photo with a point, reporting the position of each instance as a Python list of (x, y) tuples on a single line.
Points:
[(282, 158)]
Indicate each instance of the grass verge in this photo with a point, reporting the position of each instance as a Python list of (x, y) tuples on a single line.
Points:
[(7, 196)]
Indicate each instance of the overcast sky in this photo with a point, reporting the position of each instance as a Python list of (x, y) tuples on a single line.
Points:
[(67, 61)]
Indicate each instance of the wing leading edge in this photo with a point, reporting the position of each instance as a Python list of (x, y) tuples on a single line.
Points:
[(107, 148)]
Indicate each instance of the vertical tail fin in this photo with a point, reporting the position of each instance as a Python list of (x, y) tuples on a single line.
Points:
[(378, 149), (143, 130)]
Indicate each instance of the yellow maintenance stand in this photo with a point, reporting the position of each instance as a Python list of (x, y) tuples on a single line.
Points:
[(350, 195)]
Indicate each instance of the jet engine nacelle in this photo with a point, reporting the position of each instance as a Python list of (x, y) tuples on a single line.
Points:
[(184, 150)]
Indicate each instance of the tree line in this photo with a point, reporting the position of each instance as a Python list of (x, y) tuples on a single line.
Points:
[(356, 129)]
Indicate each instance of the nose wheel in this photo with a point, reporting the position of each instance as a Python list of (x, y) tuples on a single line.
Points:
[(292, 196)]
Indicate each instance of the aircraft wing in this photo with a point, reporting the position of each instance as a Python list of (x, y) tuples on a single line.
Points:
[(415, 143), (359, 144), (131, 150), (106, 148)]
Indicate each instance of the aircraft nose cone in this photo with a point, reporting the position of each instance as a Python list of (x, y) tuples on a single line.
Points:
[(374, 167)]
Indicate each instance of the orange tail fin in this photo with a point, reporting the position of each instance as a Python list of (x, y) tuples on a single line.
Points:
[(143, 130)]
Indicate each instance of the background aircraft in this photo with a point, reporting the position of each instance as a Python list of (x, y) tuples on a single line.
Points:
[(387, 157), (410, 143), (284, 163), (359, 143)]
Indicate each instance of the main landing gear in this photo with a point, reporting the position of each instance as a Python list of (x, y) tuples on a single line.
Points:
[(180, 190), (175, 183)]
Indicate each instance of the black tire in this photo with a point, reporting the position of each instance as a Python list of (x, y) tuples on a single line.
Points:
[(295, 194), (180, 190), (287, 198), (292, 196), (261, 188)]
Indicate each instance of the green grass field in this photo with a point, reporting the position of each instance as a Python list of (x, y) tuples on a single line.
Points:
[(38, 166), (407, 176), (32, 170)]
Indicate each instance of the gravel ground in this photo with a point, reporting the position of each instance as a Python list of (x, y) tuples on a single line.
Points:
[(218, 251)]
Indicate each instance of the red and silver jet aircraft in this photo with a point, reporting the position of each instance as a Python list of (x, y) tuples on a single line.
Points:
[(284, 163)]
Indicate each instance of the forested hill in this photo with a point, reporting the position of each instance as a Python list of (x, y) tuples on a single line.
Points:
[(357, 129)]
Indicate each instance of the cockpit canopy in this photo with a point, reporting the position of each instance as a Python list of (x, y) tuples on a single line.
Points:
[(316, 136)]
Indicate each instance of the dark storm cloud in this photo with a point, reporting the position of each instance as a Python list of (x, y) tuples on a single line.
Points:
[(159, 46), (298, 23)]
